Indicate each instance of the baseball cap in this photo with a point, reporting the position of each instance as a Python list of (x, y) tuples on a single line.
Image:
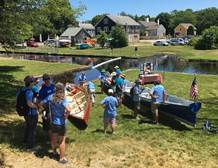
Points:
[(116, 67), (46, 77), (110, 91), (29, 79)]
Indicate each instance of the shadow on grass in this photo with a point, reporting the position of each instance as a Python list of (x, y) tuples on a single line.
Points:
[(8, 87)]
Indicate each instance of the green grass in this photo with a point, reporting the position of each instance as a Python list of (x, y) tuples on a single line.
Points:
[(12, 73), (185, 52), (177, 142)]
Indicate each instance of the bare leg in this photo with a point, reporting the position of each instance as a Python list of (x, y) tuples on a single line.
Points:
[(54, 141), (62, 147)]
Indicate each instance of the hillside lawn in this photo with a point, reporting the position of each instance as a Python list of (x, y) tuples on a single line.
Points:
[(144, 50), (136, 144)]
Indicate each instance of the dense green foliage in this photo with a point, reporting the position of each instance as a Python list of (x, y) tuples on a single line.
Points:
[(22, 19), (102, 39), (96, 19), (119, 37), (209, 39)]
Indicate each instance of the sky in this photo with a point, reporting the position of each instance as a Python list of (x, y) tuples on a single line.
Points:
[(139, 7)]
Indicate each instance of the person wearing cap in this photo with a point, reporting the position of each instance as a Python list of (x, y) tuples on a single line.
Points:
[(117, 70), (119, 82), (136, 98), (31, 118), (60, 110), (110, 103), (46, 90), (158, 95), (103, 78)]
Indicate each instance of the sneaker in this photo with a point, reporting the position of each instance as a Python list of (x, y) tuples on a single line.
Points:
[(63, 161)]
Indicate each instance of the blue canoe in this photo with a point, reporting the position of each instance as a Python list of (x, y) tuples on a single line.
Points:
[(178, 108)]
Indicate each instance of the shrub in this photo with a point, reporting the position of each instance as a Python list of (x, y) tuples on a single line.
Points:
[(209, 39), (193, 41), (119, 37), (102, 39)]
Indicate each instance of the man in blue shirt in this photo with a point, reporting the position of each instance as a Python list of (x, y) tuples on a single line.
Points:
[(110, 103), (46, 90), (119, 82), (31, 118), (136, 98), (158, 96)]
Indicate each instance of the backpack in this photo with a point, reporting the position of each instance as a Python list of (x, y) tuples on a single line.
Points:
[(21, 103)]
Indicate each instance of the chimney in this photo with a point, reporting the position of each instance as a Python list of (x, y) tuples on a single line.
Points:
[(158, 21), (147, 19)]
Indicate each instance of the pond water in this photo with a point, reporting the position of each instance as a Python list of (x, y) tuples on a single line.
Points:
[(160, 63)]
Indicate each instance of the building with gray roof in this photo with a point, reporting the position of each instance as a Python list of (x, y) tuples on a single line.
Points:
[(108, 22)]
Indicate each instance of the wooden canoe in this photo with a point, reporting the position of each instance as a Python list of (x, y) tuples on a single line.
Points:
[(80, 104)]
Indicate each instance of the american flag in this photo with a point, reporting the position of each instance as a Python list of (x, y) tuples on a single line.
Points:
[(194, 89)]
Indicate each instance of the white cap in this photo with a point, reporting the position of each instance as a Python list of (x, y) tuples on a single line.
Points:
[(113, 74), (110, 91)]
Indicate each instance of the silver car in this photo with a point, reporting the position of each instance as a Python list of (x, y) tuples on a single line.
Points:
[(160, 43)]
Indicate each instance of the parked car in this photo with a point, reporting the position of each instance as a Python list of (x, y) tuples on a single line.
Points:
[(160, 43), (51, 42), (179, 41), (31, 43)]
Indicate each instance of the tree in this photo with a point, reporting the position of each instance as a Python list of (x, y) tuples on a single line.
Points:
[(102, 38), (119, 37), (209, 39), (60, 14), (14, 27), (164, 19), (96, 19), (206, 18), (177, 17)]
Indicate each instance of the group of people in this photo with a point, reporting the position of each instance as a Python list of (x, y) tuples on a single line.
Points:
[(116, 82), (51, 100)]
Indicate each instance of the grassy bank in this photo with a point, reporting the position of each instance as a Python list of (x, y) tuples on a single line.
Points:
[(185, 52), (136, 144)]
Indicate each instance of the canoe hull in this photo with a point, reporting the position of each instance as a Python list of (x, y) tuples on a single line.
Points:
[(183, 113), (80, 104)]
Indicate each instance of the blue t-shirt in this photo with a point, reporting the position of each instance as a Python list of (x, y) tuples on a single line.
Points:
[(136, 92), (158, 92), (29, 97), (57, 111), (110, 103), (91, 85), (118, 71), (45, 91)]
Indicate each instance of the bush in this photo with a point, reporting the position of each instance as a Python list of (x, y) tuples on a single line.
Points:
[(119, 37), (102, 39), (193, 41), (209, 39)]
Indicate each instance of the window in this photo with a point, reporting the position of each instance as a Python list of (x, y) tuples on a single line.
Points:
[(106, 29), (105, 20), (98, 29)]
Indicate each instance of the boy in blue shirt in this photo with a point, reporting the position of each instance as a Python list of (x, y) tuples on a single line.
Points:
[(110, 103), (158, 96), (46, 90), (31, 118), (91, 90)]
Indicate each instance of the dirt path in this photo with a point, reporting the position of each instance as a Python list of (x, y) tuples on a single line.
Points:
[(114, 154)]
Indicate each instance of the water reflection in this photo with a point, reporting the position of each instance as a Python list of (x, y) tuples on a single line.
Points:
[(164, 63)]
